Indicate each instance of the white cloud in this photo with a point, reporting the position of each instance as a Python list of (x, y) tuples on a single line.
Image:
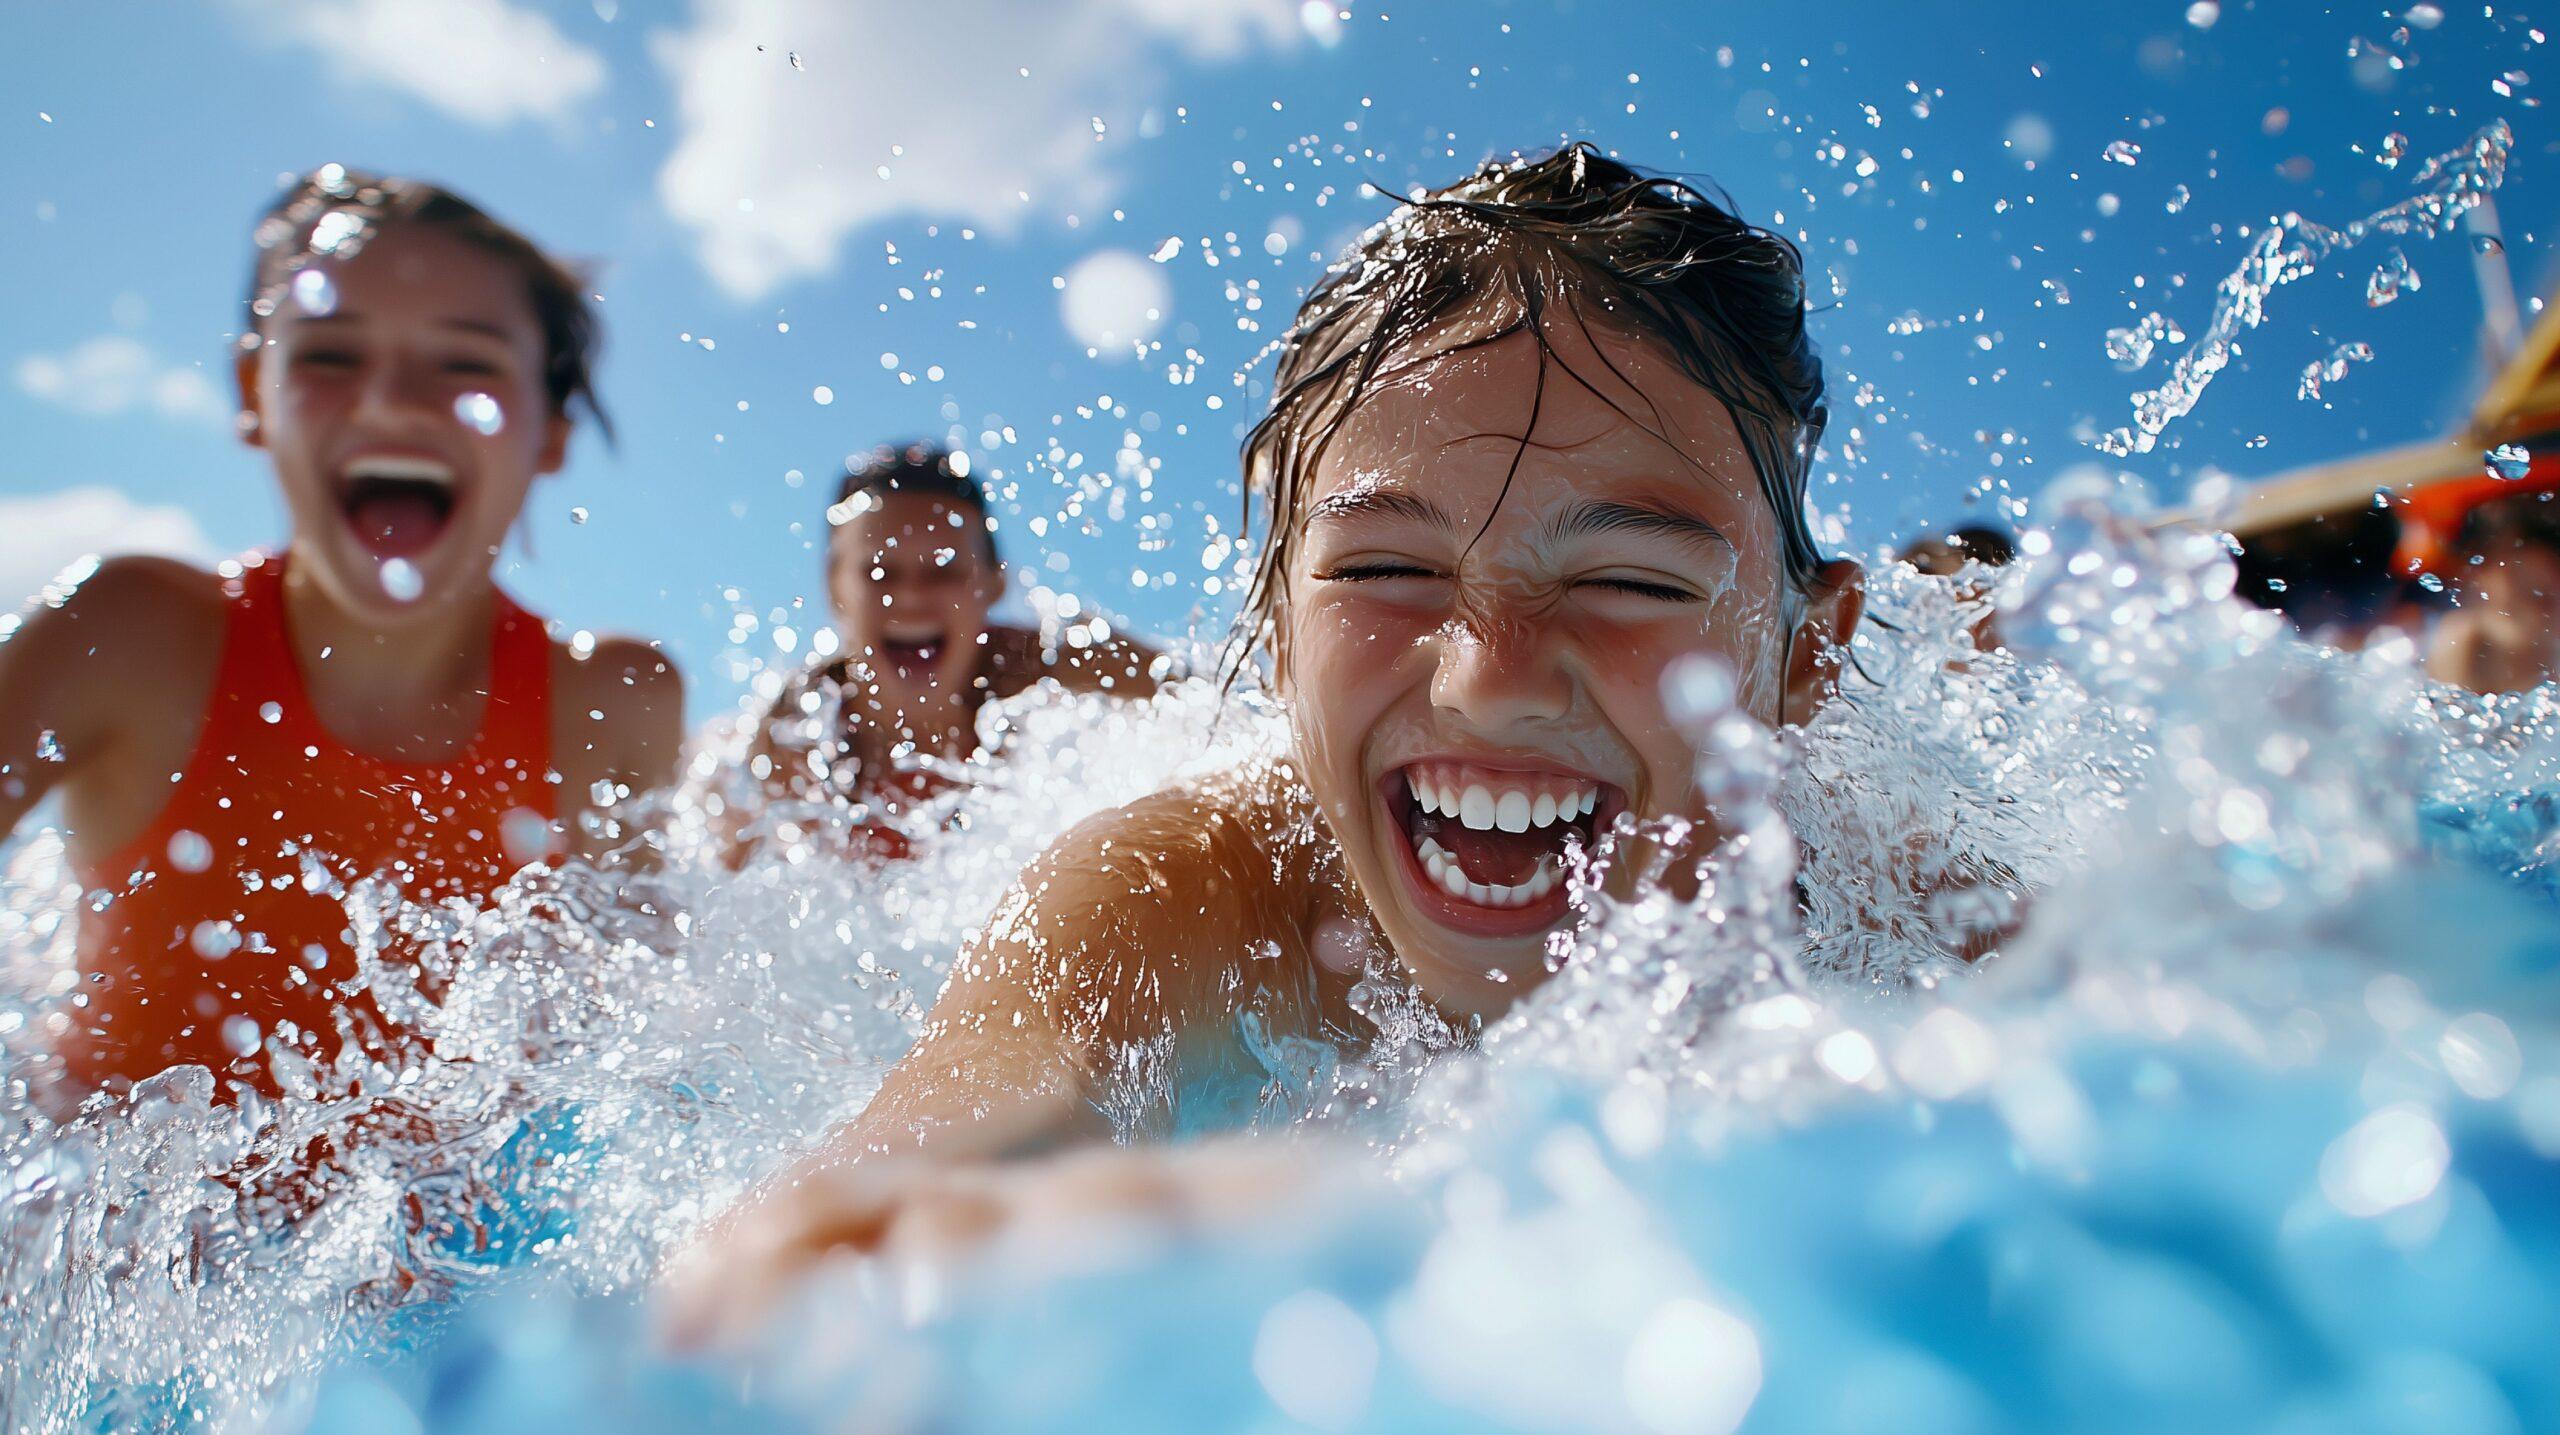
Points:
[(783, 147), (485, 61), (113, 374), (42, 534)]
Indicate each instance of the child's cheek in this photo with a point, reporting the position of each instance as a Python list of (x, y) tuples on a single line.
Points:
[(1347, 637)]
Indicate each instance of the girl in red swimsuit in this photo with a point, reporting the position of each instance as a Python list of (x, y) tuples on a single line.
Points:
[(233, 748)]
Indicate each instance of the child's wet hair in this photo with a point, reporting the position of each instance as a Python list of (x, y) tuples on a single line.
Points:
[(331, 212), (919, 469), (1657, 256)]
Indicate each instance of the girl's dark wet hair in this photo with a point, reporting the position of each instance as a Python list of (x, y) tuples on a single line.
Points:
[(921, 469), (1652, 255), (331, 212)]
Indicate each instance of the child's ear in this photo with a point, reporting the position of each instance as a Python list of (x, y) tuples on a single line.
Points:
[(555, 443), (251, 422), (1835, 598)]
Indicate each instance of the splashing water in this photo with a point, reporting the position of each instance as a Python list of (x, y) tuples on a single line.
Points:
[(2257, 1037), (2130, 347), (2393, 277), (2509, 461), (2291, 248), (2318, 375)]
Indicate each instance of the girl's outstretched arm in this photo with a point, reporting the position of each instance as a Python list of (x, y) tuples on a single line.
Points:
[(90, 677), (1110, 939)]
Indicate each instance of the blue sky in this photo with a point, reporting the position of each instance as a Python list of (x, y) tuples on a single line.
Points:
[(949, 205)]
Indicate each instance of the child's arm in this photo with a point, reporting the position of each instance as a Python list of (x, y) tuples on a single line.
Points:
[(1111, 938), (88, 677), (1122, 667)]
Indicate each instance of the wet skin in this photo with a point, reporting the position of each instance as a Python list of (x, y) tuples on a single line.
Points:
[(1501, 609), (2506, 635), (362, 376)]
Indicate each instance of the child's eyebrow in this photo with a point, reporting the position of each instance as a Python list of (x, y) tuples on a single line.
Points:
[(482, 327), (1612, 517), (1380, 503)]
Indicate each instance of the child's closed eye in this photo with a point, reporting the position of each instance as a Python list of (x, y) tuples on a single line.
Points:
[(1656, 589), (1370, 571)]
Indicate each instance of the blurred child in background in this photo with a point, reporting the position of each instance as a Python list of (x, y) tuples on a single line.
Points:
[(233, 748), (2505, 635), (912, 575)]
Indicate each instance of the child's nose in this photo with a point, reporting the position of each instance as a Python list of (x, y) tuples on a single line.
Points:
[(403, 388), (1496, 670)]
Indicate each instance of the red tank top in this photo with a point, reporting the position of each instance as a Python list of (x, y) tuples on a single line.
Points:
[(219, 926)]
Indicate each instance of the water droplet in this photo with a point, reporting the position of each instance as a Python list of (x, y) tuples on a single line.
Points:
[(314, 293), (795, 61), (2177, 198), (2203, 13), (2487, 244), (240, 1034), (2131, 347), (271, 712), (2124, 152), (2322, 372), (48, 746), (2395, 148), (401, 579), (2509, 461), (189, 851), (2393, 277), (214, 940), (480, 412), (1167, 251), (578, 515), (822, 395)]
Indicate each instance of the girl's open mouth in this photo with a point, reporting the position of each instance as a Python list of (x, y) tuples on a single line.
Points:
[(911, 653), (397, 505), (1485, 849)]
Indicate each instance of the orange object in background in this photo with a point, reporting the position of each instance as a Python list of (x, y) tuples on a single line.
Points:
[(2434, 484), (2431, 515)]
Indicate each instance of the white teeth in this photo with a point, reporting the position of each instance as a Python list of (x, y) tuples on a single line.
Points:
[(1511, 810), (401, 469)]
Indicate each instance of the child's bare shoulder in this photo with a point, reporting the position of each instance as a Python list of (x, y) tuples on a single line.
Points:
[(1116, 664), (629, 694), (129, 620), (1199, 857)]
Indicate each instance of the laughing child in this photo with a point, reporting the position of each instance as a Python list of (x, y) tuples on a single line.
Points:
[(1543, 434), (912, 572), (232, 747)]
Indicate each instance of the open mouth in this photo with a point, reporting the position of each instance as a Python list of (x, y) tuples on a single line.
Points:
[(911, 651), (397, 504), (1486, 848)]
